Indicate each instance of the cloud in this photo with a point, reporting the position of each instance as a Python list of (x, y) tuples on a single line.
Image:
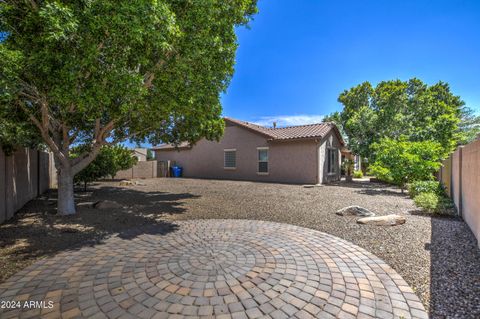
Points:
[(288, 120)]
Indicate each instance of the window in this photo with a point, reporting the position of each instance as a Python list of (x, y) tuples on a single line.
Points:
[(230, 159), (262, 160), (332, 154)]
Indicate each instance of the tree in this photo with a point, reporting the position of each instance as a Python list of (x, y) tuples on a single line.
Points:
[(395, 109), (108, 162), (150, 156), (100, 72), (401, 161), (469, 125)]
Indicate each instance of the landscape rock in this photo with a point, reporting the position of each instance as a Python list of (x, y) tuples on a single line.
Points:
[(355, 211), (388, 220), (87, 204), (107, 204), (126, 182)]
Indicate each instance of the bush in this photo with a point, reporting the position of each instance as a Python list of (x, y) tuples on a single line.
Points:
[(419, 187), (357, 174), (403, 161), (109, 161), (434, 203), (428, 201)]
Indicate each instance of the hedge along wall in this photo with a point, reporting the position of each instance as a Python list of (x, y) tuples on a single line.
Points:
[(461, 176), (23, 176)]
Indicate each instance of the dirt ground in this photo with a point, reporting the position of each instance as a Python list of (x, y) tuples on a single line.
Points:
[(437, 256)]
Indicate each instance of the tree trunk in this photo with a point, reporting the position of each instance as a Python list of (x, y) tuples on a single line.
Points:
[(66, 202)]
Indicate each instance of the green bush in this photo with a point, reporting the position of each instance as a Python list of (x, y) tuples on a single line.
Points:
[(434, 203), (419, 187), (357, 174), (428, 201)]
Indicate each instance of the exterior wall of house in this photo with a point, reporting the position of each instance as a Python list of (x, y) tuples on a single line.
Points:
[(329, 141), (289, 162)]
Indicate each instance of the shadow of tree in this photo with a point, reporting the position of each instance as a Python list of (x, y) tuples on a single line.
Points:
[(366, 187), (36, 230), (454, 270)]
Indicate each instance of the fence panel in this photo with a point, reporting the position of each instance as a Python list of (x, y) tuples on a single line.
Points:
[(460, 175), (23, 176)]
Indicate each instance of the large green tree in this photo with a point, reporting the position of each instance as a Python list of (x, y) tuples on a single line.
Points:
[(98, 72), (394, 109)]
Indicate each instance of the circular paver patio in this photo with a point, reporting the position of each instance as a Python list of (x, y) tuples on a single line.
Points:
[(222, 268)]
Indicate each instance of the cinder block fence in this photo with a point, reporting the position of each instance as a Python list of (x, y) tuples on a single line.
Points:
[(23, 176), (461, 176)]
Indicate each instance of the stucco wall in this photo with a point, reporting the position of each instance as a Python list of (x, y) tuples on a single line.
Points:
[(23, 176), (289, 162), (329, 141)]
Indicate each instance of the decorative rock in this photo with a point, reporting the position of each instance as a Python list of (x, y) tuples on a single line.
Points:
[(87, 204), (388, 220), (355, 210), (127, 183), (106, 204)]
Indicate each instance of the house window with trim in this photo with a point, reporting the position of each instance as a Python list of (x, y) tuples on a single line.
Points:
[(230, 159), (332, 154), (262, 160)]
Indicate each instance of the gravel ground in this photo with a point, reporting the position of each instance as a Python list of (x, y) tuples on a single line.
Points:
[(437, 256)]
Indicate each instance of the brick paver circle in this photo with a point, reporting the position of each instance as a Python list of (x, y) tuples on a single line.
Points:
[(220, 268)]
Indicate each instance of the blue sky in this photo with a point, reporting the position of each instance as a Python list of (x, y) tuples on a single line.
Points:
[(299, 55)]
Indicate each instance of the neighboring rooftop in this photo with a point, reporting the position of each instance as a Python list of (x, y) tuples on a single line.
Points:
[(318, 130)]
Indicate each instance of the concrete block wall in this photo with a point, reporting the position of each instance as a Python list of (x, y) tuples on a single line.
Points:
[(461, 176), (143, 169), (23, 176)]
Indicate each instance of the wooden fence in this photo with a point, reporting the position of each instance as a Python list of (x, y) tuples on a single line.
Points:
[(460, 175)]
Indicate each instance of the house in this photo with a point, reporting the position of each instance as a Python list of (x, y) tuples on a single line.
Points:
[(306, 154), (140, 154)]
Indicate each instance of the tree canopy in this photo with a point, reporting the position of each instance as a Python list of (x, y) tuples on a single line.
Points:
[(398, 109), (98, 72)]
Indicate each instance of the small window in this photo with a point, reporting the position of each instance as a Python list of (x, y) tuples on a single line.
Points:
[(262, 160), (331, 160), (230, 159)]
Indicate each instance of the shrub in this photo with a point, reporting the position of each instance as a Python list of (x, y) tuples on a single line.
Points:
[(109, 161), (358, 174), (403, 162), (428, 201), (419, 187), (434, 203)]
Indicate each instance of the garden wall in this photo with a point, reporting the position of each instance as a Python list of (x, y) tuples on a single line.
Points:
[(23, 176), (461, 176), (143, 169)]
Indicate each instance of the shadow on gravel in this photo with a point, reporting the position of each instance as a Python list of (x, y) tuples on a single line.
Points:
[(36, 231), (455, 270), (371, 188)]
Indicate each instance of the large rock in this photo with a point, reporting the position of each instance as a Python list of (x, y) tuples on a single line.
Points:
[(388, 220), (107, 204), (355, 211), (126, 182)]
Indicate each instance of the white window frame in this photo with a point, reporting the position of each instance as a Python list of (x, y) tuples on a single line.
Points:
[(224, 158), (335, 158), (267, 161)]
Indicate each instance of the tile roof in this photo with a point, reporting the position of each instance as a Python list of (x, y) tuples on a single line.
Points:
[(318, 130), (171, 146)]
